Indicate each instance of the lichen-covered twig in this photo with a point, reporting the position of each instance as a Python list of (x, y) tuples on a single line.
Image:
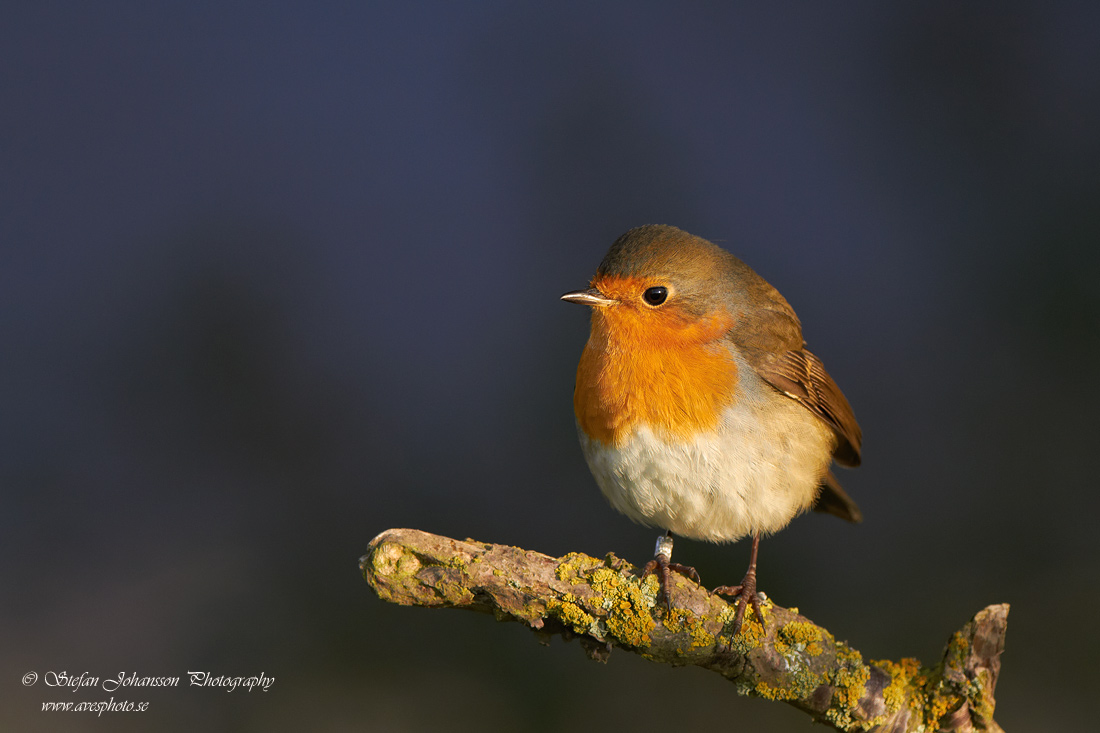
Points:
[(604, 603)]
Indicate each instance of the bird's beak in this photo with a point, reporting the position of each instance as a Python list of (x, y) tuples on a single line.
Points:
[(591, 296)]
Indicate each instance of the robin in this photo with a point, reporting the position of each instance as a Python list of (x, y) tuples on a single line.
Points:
[(700, 411)]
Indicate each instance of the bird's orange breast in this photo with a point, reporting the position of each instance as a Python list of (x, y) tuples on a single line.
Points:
[(653, 368)]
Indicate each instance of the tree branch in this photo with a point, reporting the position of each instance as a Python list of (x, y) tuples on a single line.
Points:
[(604, 603)]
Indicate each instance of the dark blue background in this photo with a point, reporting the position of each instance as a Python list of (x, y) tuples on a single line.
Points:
[(276, 277)]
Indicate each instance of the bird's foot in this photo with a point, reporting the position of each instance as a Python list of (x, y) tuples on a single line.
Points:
[(746, 595), (664, 568)]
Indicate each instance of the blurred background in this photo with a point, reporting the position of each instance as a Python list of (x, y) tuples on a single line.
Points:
[(275, 278)]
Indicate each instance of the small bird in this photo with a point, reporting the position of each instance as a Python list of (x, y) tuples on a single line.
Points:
[(699, 409)]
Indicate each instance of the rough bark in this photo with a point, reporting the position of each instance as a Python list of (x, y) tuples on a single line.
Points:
[(604, 603)]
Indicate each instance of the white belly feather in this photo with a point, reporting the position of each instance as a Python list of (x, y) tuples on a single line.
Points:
[(721, 486)]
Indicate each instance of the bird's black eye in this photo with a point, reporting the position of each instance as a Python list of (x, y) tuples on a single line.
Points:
[(656, 296)]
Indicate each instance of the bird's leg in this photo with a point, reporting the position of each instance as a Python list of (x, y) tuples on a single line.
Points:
[(746, 592), (660, 564)]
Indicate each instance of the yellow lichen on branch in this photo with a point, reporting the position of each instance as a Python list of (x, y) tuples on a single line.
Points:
[(605, 603)]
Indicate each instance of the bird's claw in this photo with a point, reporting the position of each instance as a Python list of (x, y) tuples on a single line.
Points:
[(746, 595), (664, 569)]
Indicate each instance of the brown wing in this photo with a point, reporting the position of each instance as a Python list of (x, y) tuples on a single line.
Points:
[(769, 336), (801, 376)]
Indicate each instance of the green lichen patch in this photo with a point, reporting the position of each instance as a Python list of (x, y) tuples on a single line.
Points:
[(620, 604), (606, 583), (629, 618), (979, 694), (945, 689), (957, 650), (625, 603), (391, 560), (797, 676), (905, 677), (798, 636), (454, 592), (568, 611), (939, 703), (575, 567), (781, 692), (849, 680), (752, 634), (939, 696), (682, 621), (796, 684)]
